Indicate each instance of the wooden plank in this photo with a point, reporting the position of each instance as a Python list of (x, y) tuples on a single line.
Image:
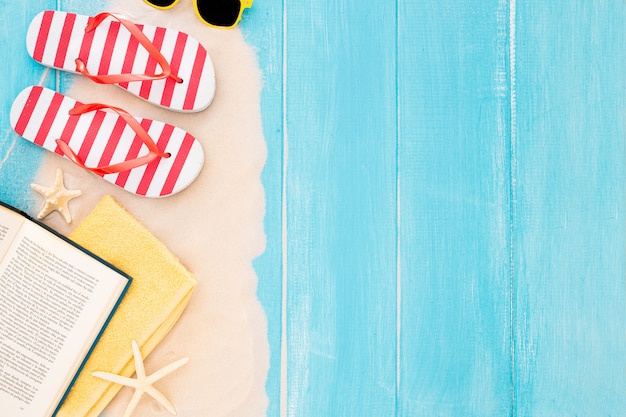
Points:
[(341, 212), (19, 159), (454, 235), (569, 263), (263, 28)]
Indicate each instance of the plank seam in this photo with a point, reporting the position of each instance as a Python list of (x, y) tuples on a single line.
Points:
[(284, 255), (513, 192), (398, 222)]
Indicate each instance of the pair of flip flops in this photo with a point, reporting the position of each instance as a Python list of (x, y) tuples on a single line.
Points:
[(163, 66)]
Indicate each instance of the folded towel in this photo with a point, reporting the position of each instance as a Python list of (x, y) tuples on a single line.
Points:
[(159, 293)]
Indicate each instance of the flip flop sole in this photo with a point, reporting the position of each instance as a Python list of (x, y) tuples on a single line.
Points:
[(56, 39), (100, 138)]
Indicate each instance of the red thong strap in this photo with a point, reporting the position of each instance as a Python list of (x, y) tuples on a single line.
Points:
[(143, 40), (153, 151)]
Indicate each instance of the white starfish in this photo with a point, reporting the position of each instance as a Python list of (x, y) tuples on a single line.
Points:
[(143, 383), (56, 198)]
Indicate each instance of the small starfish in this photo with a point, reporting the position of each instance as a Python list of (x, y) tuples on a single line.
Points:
[(143, 383), (56, 198)]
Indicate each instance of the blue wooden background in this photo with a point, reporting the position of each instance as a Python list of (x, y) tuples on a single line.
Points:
[(445, 193)]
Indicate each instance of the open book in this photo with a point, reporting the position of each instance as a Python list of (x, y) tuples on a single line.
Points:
[(55, 300)]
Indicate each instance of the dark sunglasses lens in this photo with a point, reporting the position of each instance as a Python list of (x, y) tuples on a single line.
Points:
[(161, 3), (219, 12)]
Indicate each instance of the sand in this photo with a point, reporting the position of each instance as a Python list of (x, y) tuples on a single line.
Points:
[(215, 227)]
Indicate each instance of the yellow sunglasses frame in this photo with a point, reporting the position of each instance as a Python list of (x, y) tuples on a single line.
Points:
[(245, 4), (159, 7)]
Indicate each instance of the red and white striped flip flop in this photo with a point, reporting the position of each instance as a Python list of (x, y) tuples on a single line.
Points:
[(161, 65), (142, 156)]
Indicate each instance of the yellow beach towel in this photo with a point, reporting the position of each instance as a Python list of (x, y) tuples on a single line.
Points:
[(159, 293)]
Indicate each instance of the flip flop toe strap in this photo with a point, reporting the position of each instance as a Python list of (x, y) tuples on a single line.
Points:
[(153, 151), (94, 22)]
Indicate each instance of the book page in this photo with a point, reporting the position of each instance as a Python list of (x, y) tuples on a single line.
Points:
[(10, 222), (54, 300)]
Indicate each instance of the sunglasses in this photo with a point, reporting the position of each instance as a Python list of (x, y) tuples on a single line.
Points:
[(224, 14)]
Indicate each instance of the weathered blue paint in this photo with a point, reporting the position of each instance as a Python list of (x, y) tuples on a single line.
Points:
[(341, 208), (454, 239), (570, 345)]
